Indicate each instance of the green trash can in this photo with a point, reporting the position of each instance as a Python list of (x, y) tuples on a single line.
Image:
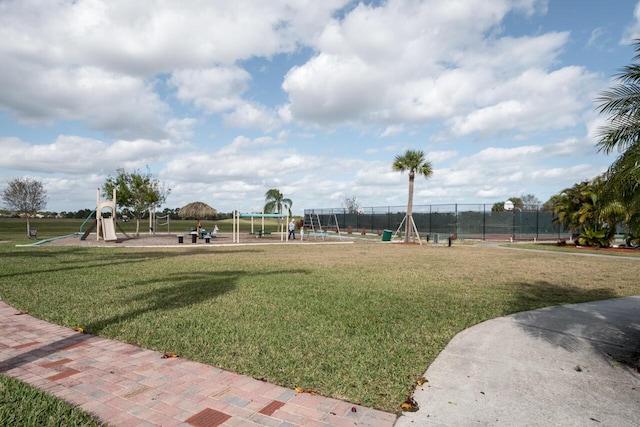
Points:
[(386, 235)]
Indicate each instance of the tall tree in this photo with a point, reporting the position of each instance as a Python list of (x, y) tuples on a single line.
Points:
[(274, 201), (622, 132), (529, 202), (415, 162), (351, 204), (137, 192), (25, 195)]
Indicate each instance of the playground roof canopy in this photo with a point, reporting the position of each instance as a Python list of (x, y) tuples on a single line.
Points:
[(196, 210)]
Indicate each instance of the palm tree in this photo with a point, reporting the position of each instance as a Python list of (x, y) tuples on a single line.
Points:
[(622, 132), (588, 209), (274, 200), (413, 161)]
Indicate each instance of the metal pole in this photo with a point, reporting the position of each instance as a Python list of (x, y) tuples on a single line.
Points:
[(484, 222)]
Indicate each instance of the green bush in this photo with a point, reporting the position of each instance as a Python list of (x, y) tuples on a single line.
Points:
[(597, 238)]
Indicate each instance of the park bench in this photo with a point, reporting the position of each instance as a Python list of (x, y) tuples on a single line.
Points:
[(261, 233), (33, 234)]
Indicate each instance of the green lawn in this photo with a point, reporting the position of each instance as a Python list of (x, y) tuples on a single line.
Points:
[(24, 406), (359, 322)]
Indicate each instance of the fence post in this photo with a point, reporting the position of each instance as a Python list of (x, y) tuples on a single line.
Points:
[(484, 222), (455, 224), (372, 216)]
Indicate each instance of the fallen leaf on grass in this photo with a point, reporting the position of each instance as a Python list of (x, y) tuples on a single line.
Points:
[(79, 330), (169, 356)]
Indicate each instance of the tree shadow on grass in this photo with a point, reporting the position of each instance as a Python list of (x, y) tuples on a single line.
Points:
[(609, 325), (82, 258), (539, 294), (178, 291), (181, 290)]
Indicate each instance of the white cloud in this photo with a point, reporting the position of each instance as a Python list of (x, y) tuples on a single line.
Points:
[(180, 129), (331, 89), (75, 155), (244, 159), (214, 90), (243, 143), (405, 62), (120, 105), (147, 37), (596, 35), (392, 130), (439, 157), (252, 116), (96, 60), (524, 103), (632, 32)]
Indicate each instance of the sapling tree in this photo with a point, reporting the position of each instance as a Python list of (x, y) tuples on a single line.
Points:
[(25, 196)]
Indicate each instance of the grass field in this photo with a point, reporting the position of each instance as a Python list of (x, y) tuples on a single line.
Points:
[(359, 322), (24, 406)]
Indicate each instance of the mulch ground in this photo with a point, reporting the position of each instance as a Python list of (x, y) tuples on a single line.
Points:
[(172, 240), (608, 250)]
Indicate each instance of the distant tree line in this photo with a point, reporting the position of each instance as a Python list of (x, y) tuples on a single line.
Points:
[(84, 213)]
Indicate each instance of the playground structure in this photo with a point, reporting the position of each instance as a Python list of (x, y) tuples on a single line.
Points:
[(262, 231), (105, 226), (313, 225), (154, 221)]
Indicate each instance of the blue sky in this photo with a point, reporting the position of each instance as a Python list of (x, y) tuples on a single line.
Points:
[(223, 101)]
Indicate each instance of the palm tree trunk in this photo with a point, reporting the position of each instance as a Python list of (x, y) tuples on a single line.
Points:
[(408, 230)]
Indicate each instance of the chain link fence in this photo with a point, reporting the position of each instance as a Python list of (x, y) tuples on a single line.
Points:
[(466, 221)]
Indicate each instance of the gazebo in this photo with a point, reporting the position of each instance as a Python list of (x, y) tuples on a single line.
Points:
[(197, 210)]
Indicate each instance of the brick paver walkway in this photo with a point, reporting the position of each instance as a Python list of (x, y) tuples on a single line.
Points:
[(124, 385)]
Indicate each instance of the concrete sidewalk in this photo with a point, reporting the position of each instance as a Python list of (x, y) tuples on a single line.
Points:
[(124, 385), (573, 365)]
